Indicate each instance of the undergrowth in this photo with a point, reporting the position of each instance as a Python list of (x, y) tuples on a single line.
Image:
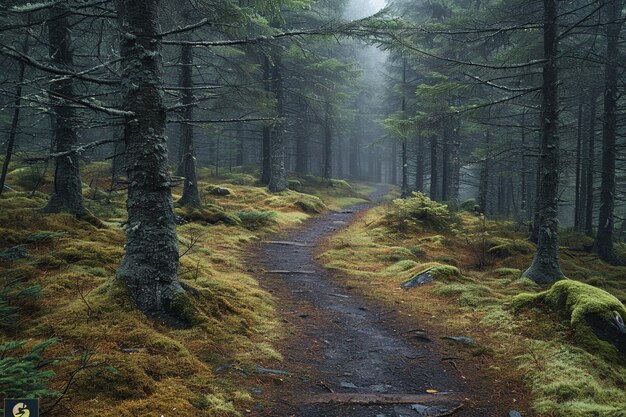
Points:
[(120, 362), (565, 374)]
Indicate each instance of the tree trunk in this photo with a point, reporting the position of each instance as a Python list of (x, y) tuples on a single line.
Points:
[(150, 263), (419, 165), (266, 149), (67, 194), (191, 196), (302, 148), (393, 164), (455, 156), (483, 187), (328, 145), (590, 164), (524, 169), (579, 140), (604, 239), (546, 268), (278, 177), (445, 164), (16, 117), (355, 147), (434, 180), (405, 162)]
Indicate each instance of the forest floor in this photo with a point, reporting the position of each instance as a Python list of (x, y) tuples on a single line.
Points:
[(352, 357)]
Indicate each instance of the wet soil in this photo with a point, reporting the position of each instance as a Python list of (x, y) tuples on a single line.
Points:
[(344, 344)]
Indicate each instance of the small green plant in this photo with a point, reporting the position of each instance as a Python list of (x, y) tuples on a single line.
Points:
[(420, 212), (25, 375), (12, 292)]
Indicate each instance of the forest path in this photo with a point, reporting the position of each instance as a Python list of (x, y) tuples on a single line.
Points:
[(345, 345)]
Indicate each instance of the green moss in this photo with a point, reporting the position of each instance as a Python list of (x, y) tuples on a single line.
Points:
[(182, 308), (210, 214), (294, 184), (420, 212), (310, 204), (401, 266), (254, 220), (583, 304), (512, 248), (511, 273)]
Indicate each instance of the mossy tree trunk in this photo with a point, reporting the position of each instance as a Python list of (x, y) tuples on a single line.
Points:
[(150, 263), (67, 194), (405, 161), (546, 268), (191, 196), (278, 177), (612, 11)]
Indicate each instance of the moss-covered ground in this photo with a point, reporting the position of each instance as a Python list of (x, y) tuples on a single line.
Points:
[(525, 334), (117, 362)]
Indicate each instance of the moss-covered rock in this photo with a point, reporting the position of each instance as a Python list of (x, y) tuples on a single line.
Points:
[(294, 184), (217, 191), (210, 214), (507, 247), (593, 313)]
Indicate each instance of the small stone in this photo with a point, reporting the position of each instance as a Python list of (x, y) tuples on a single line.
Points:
[(514, 413), (422, 279), (348, 385), (218, 191), (462, 339)]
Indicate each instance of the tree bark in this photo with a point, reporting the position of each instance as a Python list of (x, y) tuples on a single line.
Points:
[(604, 238), (15, 119), (445, 163), (455, 157), (589, 172), (405, 162), (191, 195), (434, 180), (546, 268), (150, 263), (67, 194), (278, 177), (266, 148), (579, 140), (483, 187), (419, 164), (328, 144)]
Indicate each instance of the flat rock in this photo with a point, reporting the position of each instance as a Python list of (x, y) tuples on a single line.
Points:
[(515, 413), (462, 339), (417, 281), (348, 385)]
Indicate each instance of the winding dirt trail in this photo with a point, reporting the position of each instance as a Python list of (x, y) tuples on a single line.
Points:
[(349, 356)]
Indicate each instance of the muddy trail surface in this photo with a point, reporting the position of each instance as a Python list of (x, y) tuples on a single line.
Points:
[(349, 357)]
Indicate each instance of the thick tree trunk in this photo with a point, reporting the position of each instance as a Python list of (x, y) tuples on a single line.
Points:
[(591, 157), (419, 165), (15, 120), (485, 172), (150, 263), (328, 144), (579, 140), (405, 160), (67, 194), (524, 169), (445, 163), (302, 149), (266, 148), (191, 196), (604, 239), (278, 177), (393, 163), (355, 147), (434, 169), (546, 268), (455, 157)]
